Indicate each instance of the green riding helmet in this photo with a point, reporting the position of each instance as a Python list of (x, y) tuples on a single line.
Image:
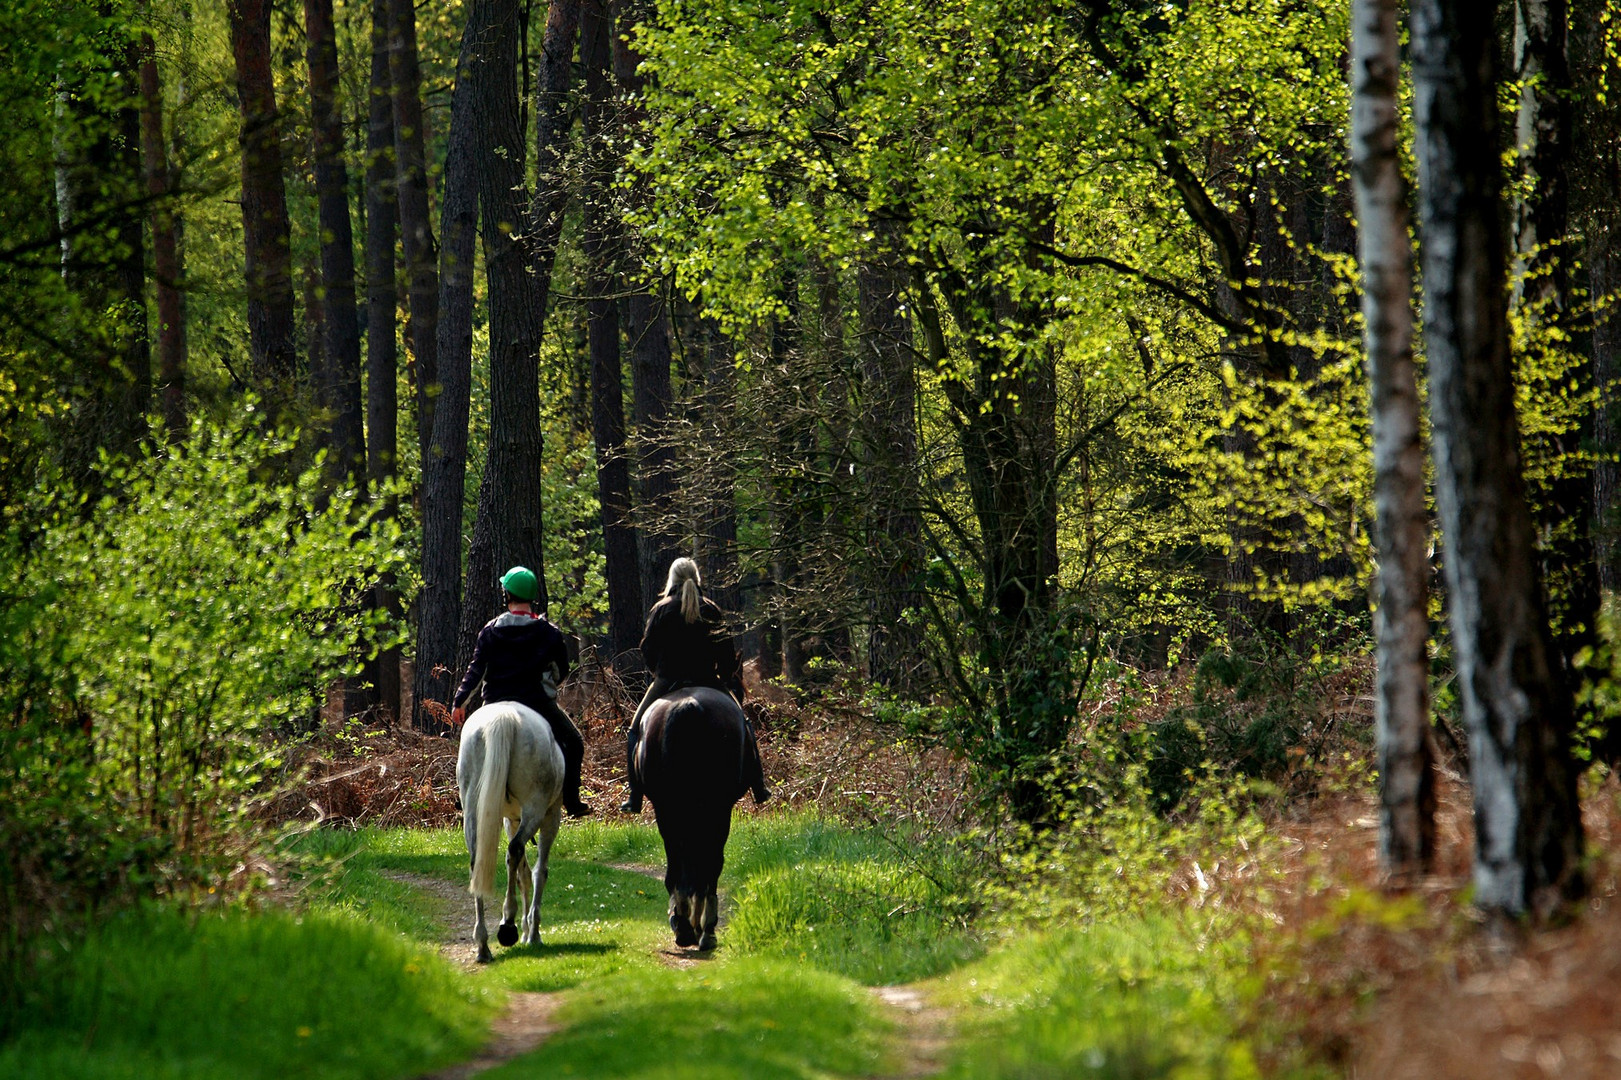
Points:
[(520, 582)]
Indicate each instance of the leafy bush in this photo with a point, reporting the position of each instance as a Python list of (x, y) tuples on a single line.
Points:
[(155, 647), (1264, 710)]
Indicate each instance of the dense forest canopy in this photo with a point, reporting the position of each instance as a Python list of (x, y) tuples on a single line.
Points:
[(988, 356)]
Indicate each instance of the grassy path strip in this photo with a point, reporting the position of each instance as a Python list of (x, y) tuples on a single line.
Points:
[(618, 1010)]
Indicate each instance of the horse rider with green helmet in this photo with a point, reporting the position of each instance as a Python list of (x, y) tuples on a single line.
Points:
[(521, 657)]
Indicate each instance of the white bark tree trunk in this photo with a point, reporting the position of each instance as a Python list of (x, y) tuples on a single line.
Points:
[(1402, 697)]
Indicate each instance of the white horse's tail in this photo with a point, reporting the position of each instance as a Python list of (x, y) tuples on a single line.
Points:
[(492, 794)]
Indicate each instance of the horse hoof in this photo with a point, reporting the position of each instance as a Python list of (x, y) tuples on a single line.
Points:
[(507, 934), (685, 938), (484, 956), (707, 943)]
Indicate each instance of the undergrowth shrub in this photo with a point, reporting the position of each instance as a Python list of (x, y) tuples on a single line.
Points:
[(1269, 709), (159, 647)]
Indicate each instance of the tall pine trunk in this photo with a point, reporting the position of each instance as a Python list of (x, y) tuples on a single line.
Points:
[(523, 311), (265, 231), (603, 252), (1528, 828), (647, 329), (1402, 696), (444, 468), (382, 349), (341, 393), (416, 228)]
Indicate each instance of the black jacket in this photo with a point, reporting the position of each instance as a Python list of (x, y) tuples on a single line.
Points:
[(700, 653), (513, 653)]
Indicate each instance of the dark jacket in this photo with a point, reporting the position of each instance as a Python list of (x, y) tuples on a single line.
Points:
[(512, 655), (681, 652)]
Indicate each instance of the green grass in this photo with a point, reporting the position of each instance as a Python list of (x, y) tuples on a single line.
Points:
[(1149, 997), (735, 1017), (161, 994), (816, 910)]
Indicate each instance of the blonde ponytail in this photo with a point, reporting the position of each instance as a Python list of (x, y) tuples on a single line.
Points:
[(683, 582)]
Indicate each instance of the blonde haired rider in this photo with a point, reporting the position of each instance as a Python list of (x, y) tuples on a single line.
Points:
[(685, 643)]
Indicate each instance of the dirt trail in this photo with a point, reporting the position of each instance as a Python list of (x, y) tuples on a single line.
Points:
[(926, 1031), (527, 1020)]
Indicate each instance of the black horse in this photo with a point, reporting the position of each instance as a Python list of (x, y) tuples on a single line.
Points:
[(692, 767)]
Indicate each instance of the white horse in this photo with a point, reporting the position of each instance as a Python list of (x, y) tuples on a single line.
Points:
[(509, 767)]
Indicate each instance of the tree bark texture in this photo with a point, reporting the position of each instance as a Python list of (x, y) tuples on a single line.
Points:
[(382, 347), (416, 229), (444, 469), (647, 328), (265, 231), (1401, 619), (522, 312), (1528, 829), (888, 456), (513, 468), (602, 252), (340, 393), (166, 255), (717, 528)]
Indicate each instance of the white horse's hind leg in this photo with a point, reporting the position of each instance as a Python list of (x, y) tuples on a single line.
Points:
[(546, 836), (507, 932), (481, 933)]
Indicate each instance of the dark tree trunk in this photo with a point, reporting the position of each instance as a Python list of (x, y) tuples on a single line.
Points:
[(166, 256), (647, 326), (717, 527), (888, 449), (1528, 828), (416, 229), (602, 252), (267, 259), (444, 469), (1565, 512), (340, 392), (1402, 699), (522, 276), (647, 329), (794, 439), (382, 349)]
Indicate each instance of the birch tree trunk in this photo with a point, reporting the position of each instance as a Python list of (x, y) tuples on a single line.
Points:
[(1528, 829), (1402, 696)]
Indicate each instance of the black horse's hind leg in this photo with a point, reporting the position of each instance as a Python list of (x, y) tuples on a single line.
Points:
[(710, 906)]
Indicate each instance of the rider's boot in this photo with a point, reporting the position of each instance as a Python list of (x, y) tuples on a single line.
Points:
[(633, 736), (571, 788)]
